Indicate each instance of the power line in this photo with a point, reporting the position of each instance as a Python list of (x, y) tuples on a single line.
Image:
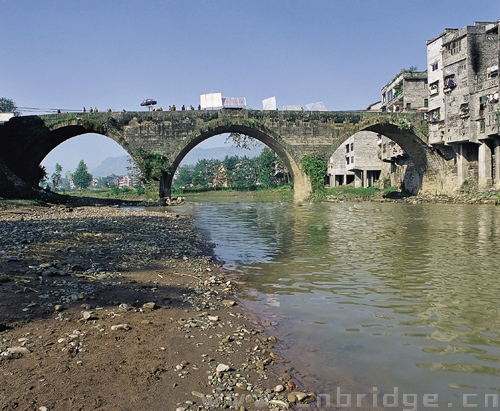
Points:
[(54, 110)]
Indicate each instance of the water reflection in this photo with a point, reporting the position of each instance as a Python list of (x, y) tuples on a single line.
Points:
[(369, 294)]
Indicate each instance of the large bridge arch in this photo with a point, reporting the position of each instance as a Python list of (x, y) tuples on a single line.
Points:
[(302, 186), (429, 164), (54, 135)]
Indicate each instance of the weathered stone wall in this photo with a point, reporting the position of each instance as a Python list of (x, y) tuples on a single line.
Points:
[(292, 135)]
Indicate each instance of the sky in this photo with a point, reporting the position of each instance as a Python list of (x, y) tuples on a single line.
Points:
[(63, 54)]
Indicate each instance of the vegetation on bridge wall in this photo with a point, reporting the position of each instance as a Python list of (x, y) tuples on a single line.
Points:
[(316, 170), (151, 164), (103, 124), (306, 116)]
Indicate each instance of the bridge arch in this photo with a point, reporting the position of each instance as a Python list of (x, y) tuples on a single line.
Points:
[(429, 165), (302, 186), (61, 132)]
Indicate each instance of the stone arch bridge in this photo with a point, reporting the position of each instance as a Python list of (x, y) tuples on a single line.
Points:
[(26, 140)]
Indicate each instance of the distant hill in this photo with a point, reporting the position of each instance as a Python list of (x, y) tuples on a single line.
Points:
[(112, 165), (219, 153)]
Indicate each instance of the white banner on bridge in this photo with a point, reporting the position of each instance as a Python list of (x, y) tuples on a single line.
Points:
[(269, 103), (210, 100), (234, 102), (319, 106), (293, 107)]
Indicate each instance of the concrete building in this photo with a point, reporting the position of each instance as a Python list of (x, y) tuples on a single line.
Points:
[(463, 101), (407, 91), (356, 161)]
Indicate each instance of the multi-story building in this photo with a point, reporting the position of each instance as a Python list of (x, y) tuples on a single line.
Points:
[(356, 161), (463, 100), (407, 91)]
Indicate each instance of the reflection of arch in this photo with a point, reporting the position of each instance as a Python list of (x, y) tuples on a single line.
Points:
[(301, 181)]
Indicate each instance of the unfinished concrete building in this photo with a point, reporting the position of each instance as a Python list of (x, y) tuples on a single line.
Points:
[(356, 161), (463, 109), (407, 91)]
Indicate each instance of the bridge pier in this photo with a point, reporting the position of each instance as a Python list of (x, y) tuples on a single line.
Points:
[(165, 188)]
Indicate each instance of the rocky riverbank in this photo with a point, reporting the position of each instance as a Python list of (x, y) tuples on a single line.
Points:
[(104, 308)]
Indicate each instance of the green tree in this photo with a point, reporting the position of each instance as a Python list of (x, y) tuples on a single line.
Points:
[(266, 168), (242, 141), (81, 177), (7, 105), (68, 181), (231, 162), (316, 170), (56, 177), (244, 175), (152, 165), (184, 176), (205, 171)]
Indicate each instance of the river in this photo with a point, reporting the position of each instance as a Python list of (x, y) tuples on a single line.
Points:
[(373, 303)]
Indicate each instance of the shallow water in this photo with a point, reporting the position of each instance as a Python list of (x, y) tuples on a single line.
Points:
[(373, 298)]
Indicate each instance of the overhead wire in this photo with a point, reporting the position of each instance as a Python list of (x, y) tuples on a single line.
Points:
[(50, 110)]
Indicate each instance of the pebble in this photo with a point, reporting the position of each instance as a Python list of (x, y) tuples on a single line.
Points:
[(117, 327), (228, 303), (18, 350), (87, 315), (197, 394), (279, 388), (301, 396), (279, 403), (124, 307), (149, 306), (226, 339), (222, 367)]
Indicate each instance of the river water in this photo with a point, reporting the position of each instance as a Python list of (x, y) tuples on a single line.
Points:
[(373, 303)]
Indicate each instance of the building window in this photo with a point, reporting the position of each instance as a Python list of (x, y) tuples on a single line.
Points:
[(462, 68), (434, 88), (352, 146), (482, 126), (449, 82), (434, 66), (464, 110), (426, 102), (347, 160), (347, 148), (492, 72), (482, 102), (352, 160), (389, 95), (453, 48)]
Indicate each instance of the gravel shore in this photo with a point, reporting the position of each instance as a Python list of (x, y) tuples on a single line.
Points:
[(105, 308)]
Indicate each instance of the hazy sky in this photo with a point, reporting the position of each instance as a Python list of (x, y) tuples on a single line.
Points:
[(63, 54)]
